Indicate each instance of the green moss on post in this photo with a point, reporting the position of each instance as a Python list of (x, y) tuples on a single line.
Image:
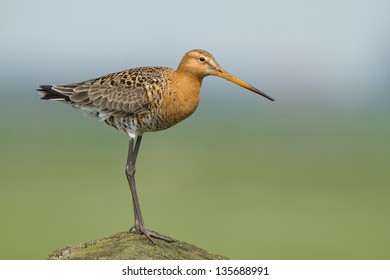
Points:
[(129, 246)]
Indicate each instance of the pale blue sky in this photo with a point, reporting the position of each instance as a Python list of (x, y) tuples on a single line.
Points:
[(293, 50)]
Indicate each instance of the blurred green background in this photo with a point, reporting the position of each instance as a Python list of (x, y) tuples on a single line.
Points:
[(304, 177)]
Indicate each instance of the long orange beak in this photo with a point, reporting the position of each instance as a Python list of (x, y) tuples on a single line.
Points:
[(224, 74)]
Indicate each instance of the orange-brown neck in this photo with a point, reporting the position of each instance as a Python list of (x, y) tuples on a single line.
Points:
[(184, 96)]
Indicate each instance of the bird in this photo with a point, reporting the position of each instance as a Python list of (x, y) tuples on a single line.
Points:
[(144, 99)]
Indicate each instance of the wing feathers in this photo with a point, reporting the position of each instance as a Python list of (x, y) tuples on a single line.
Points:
[(103, 97), (127, 92)]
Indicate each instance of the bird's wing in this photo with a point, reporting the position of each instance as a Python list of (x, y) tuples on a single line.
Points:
[(105, 97), (130, 91)]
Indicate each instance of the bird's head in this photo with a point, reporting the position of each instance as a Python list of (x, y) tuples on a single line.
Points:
[(201, 64)]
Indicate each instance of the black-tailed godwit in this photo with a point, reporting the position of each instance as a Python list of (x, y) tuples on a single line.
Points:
[(142, 100)]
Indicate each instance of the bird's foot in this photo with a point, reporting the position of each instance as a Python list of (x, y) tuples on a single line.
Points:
[(149, 234)]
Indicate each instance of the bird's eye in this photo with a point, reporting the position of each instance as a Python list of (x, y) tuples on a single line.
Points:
[(202, 59)]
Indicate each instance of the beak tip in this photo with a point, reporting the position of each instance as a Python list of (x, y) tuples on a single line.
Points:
[(264, 95)]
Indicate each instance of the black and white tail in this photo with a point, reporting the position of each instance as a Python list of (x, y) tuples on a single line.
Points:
[(48, 93)]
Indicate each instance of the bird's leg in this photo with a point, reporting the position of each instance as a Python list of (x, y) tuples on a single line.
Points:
[(139, 225), (134, 154)]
